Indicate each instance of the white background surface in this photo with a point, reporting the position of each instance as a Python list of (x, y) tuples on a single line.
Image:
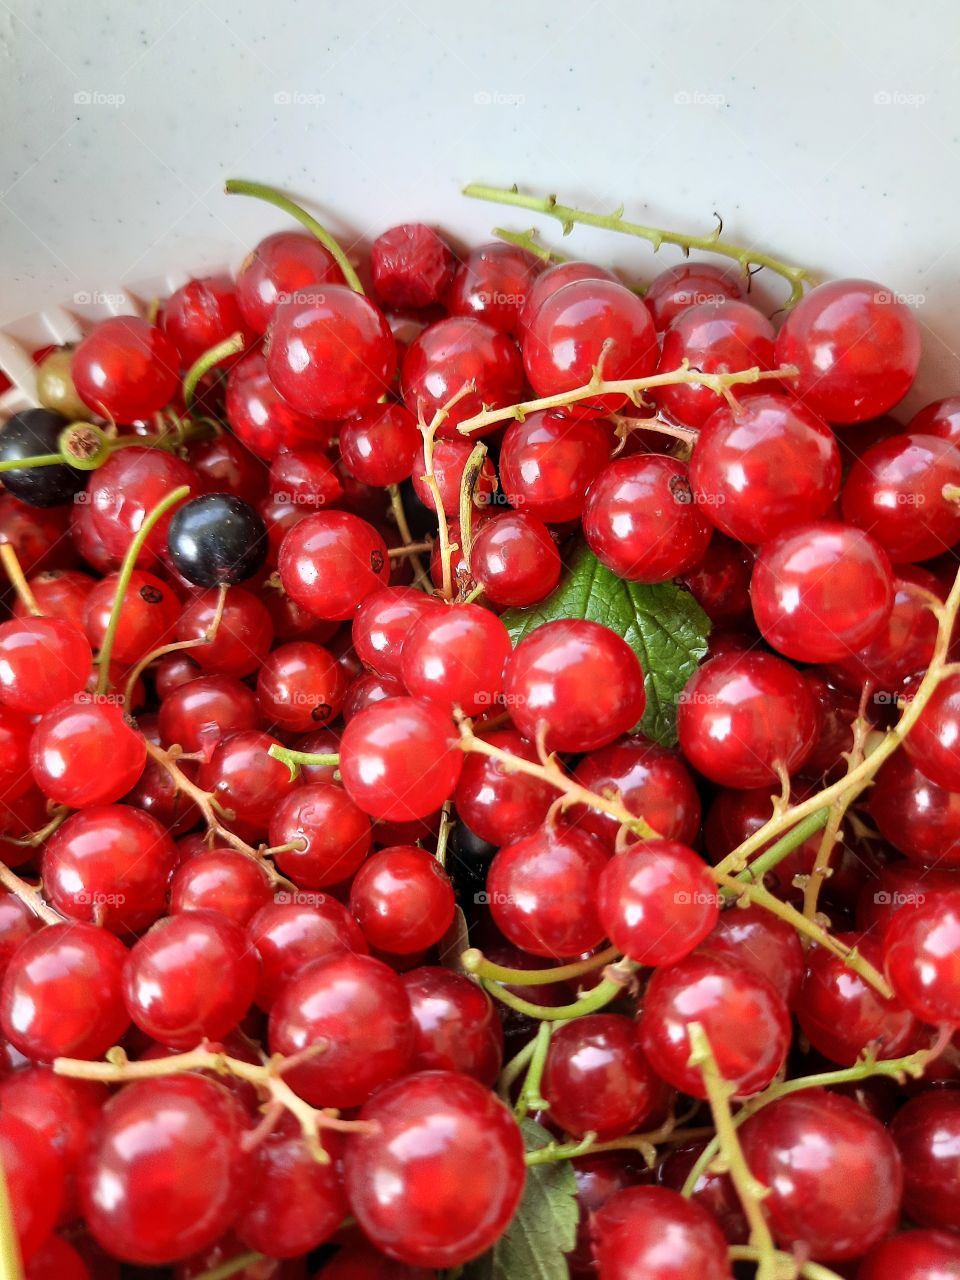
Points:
[(827, 132)]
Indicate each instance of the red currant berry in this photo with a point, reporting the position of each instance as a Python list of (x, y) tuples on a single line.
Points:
[(456, 1027), (913, 1255), (934, 742), (715, 337), (220, 880), (382, 624), (329, 834), (399, 759), (380, 447), (548, 461), (916, 816), (243, 635), (921, 951), (651, 782), (764, 468), (904, 647), (62, 993), (246, 780), (358, 1010), (515, 560), (149, 1133), (655, 1233), (148, 615), (821, 592), (743, 717), (582, 325), (689, 284), (198, 714), (411, 266), (402, 900), (492, 284), (260, 417), (124, 491), (456, 656), (899, 491), (596, 1078), (856, 346), (125, 369), (452, 353), (190, 978), (42, 662), (500, 804), (742, 1014), (454, 1154), (60, 593), (33, 1172), (332, 561), (201, 314), (295, 929), (816, 1152), (927, 1133), (280, 265), (110, 865), (72, 742), (450, 459), (330, 352), (752, 938), (576, 680), (642, 521), (542, 892), (300, 686), (548, 282), (657, 901)]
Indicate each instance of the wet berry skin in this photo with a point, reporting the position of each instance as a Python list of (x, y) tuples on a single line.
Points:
[(451, 353), (137, 1202), (402, 900), (217, 539), (579, 680), (72, 742), (819, 1153), (440, 1178), (42, 662), (126, 369), (927, 1133), (30, 434), (330, 562), (597, 1078), (456, 1027), (921, 949), (279, 265), (411, 265), (913, 1255)]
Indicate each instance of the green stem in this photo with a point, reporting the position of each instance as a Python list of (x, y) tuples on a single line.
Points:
[(11, 1267), (599, 997), (38, 460), (238, 187), (232, 1266), (530, 241), (913, 1064), (203, 364), (569, 217), (294, 759), (556, 1151), (749, 1190), (787, 1263), (514, 1069), (531, 1099), (468, 484), (475, 962), (767, 860), (124, 576)]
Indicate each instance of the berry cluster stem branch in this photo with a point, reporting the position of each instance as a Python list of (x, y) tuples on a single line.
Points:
[(531, 1098), (403, 527), (429, 433), (294, 759), (29, 896), (530, 242), (468, 485), (616, 978), (862, 774), (268, 1077), (259, 191), (913, 1064), (203, 364), (124, 576), (209, 810), (475, 962), (719, 383), (551, 772), (788, 1267), (18, 580), (569, 217), (749, 1190)]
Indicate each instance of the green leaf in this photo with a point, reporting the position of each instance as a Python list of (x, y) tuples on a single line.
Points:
[(662, 624), (544, 1228)]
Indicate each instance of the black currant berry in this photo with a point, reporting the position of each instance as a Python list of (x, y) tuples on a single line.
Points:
[(216, 539), (31, 434)]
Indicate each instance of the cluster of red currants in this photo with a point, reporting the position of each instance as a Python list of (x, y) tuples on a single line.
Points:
[(269, 750)]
